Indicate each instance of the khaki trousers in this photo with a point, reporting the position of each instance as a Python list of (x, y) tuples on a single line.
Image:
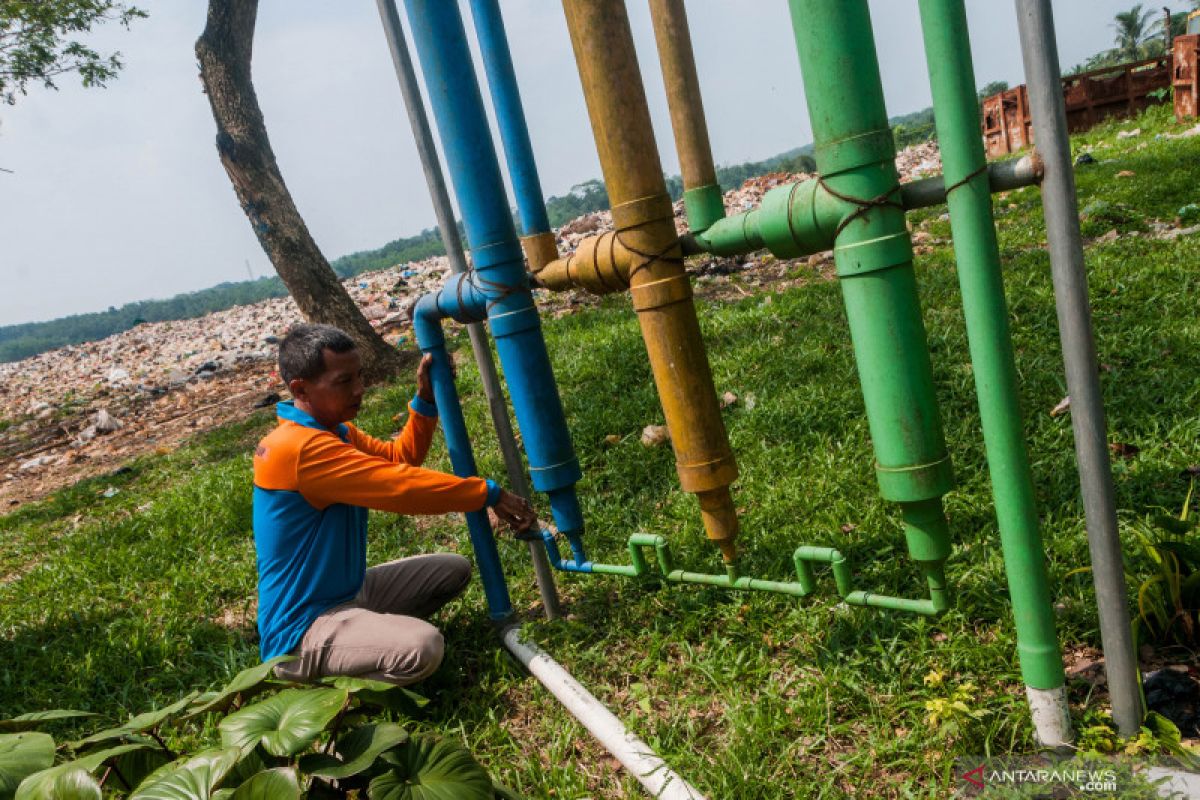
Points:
[(378, 634)]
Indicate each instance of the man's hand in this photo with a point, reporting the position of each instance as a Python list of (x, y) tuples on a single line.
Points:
[(515, 511), (424, 380)]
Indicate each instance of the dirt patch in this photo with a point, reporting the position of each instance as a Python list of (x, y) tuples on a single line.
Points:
[(38, 457)]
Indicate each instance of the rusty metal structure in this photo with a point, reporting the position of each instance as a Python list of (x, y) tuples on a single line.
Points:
[(1185, 75), (1007, 126), (1090, 97)]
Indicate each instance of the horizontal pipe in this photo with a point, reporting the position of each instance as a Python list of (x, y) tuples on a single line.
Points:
[(805, 214), (1003, 176), (635, 755), (804, 585)]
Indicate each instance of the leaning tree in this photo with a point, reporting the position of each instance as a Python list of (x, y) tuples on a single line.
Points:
[(224, 51)]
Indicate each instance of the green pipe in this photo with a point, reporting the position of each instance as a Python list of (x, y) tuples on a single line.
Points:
[(804, 585), (630, 571), (873, 255), (805, 224), (956, 108)]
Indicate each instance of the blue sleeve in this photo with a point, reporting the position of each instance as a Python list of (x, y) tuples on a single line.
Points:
[(423, 407), (493, 495)]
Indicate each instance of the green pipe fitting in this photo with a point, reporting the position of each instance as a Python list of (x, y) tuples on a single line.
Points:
[(806, 224), (805, 582), (730, 236), (631, 571), (705, 205), (793, 220)]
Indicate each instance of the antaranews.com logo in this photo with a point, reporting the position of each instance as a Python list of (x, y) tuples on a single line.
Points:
[(1080, 776)]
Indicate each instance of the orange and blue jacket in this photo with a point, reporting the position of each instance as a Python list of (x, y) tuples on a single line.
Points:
[(312, 489)]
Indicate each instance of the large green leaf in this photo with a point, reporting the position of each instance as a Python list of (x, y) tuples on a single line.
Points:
[(273, 784), (244, 684), (380, 693), (190, 779), (285, 723), (355, 752), (431, 769), (250, 765), (137, 724), (21, 755), (47, 784), (25, 722), (75, 783), (138, 765)]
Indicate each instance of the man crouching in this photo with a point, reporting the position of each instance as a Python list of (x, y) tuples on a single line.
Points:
[(315, 477)]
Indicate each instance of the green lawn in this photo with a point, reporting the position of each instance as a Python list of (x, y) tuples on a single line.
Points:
[(118, 604)]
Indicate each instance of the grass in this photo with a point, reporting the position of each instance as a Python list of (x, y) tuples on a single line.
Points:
[(115, 604)]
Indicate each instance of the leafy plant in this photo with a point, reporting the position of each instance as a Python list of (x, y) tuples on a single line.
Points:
[(950, 715), (1169, 599), (291, 743)]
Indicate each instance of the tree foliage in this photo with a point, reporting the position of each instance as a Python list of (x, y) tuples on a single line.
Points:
[(38, 42)]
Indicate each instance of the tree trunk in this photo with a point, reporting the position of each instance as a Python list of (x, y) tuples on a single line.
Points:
[(224, 51)]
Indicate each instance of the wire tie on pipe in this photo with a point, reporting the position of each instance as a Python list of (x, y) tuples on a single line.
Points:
[(791, 197), (651, 258), (864, 206), (981, 171), (612, 260), (504, 290)]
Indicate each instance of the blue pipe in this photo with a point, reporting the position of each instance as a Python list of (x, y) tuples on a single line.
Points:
[(556, 560), (510, 115), (499, 264), (427, 326)]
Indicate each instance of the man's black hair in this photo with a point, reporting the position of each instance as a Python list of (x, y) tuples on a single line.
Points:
[(302, 351)]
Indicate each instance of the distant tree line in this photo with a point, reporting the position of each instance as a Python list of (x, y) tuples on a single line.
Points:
[(31, 338)]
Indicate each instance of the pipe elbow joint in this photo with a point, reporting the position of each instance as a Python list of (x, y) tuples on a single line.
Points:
[(427, 322)]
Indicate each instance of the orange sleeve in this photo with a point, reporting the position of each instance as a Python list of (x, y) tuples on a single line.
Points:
[(410, 446), (332, 471)]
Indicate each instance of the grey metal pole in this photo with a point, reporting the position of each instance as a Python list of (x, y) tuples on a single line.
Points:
[(1040, 51), (458, 263)]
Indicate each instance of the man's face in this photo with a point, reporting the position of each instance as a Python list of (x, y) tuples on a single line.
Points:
[(334, 396)]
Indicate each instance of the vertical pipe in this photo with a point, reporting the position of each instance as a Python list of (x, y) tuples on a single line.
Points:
[(510, 116), (538, 242), (428, 330), (956, 110), (873, 254), (661, 291), (458, 263), (499, 270), (702, 194), (1039, 48)]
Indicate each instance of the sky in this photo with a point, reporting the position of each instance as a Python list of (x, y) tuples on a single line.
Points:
[(117, 194)]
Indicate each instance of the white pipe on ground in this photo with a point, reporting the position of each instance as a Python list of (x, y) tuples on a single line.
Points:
[(634, 754)]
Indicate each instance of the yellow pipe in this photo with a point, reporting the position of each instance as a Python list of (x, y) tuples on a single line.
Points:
[(540, 249), (600, 264), (702, 195), (645, 230)]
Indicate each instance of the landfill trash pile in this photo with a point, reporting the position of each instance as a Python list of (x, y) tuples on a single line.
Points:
[(85, 409)]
